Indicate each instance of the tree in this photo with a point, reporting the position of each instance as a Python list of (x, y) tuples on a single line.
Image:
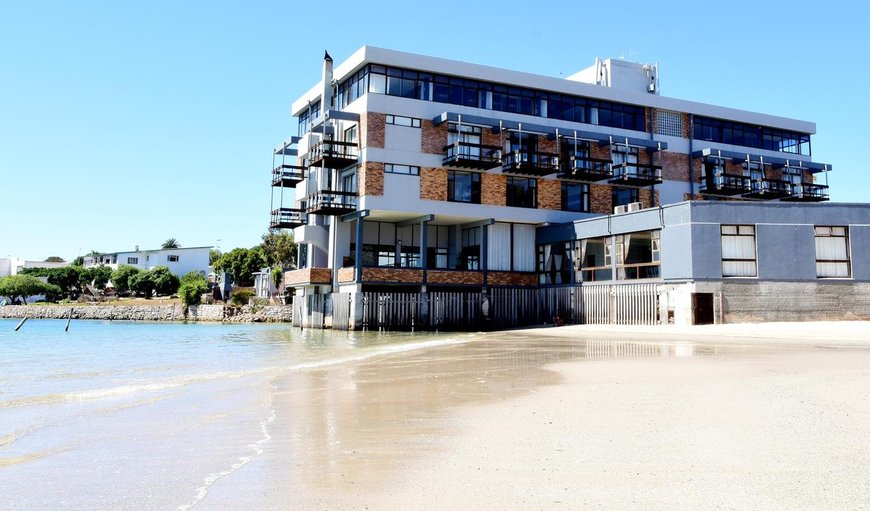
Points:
[(121, 277), (279, 248), (170, 243), (142, 283), (193, 285), (241, 263), (101, 276), (78, 261), (165, 282), (213, 255), (67, 279), (54, 259), (22, 286)]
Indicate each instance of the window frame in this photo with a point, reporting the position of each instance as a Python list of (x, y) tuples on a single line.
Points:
[(818, 234), (738, 234)]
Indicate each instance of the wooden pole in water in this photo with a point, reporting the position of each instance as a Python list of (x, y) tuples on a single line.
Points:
[(68, 320), (19, 324)]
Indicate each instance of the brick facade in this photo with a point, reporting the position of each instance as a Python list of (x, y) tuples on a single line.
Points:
[(307, 276), (489, 137), (393, 275), (546, 145), (434, 137), (433, 183), (511, 278), (346, 274), (373, 125), (549, 194), (675, 166), (471, 278), (493, 189), (600, 199), (645, 197), (601, 152), (371, 178)]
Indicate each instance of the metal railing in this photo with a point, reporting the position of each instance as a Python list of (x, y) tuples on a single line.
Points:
[(287, 174), (541, 163), (478, 155)]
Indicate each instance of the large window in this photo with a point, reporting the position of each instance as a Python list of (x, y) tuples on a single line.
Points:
[(623, 196), (760, 137), (597, 259), (638, 255), (738, 251), (469, 257), (386, 244), (575, 196), (522, 192), (463, 186), (832, 252), (555, 262)]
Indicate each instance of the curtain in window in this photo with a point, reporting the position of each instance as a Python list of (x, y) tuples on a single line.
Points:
[(524, 247), (499, 247), (832, 257), (738, 247)]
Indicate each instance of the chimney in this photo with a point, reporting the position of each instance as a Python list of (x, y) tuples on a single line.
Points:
[(136, 249), (326, 98)]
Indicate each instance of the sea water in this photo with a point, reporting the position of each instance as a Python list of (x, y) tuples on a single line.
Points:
[(133, 415)]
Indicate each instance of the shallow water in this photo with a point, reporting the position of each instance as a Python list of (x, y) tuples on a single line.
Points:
[(123, 415)]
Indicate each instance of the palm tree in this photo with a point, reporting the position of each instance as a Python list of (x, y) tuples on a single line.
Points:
[(170, 243)]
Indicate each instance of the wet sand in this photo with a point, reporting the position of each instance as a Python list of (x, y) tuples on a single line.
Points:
[(743, 417)]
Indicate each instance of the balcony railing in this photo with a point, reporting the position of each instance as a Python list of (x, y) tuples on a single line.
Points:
[(529, 163), (808, 192), (471, 156), (725, 184), (768, 189), (636, 174), (333, 154), (331, 202), (587, 169), (287, 218), (287, 175)]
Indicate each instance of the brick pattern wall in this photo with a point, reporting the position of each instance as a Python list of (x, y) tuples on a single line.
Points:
[(675, 166), (546, 145), (686, 128), (346, 274), (493, 189), (307, 276), (434, 137), (488, 137), (433, 183), (373, 127), (371, 178), (733, 167), (455, 277), (549, 194), (649, 116), (395, 275), (597, 151), (509, 278), (600, 199), (645, 196)]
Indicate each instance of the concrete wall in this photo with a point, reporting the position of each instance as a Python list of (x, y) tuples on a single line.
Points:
[(754, 301), (271, 313)]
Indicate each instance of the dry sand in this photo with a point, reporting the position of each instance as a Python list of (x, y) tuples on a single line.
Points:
[(772, 416)]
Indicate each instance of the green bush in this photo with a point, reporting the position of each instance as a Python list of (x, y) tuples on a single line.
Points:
[(241, 297), (190, 294)]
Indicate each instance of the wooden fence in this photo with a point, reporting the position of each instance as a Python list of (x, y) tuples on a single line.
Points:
[(341, 311)]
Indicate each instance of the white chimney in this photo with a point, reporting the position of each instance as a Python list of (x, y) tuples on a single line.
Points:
[(326, 97), (136, 249)]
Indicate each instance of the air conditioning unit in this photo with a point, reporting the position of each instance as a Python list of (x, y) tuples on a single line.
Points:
[(635, 206), (620, 209)]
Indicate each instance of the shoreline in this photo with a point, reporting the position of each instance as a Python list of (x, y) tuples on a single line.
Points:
[(196, 313)]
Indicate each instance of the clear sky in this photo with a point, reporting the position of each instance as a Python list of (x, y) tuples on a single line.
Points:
[(127, 123)]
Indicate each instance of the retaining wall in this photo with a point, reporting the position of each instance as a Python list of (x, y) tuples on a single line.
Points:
[(271, 313)]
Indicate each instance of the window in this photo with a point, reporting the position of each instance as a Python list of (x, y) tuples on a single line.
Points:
[(638, 255), (738, 251), (172, 258), (463, 186), (469, 257), (760, 137), (575, 197), (832, 252), (132, 260), (522, 192), (350, 134), (399, 120), (596, 259), (554, 263), (392, 168), (623, 196)]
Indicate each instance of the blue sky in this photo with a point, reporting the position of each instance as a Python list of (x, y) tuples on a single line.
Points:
[(125, 123)]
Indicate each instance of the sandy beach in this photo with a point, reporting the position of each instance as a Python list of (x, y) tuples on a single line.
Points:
[(768, 416)]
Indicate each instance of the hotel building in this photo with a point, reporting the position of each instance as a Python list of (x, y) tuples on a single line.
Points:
[(435, 193)]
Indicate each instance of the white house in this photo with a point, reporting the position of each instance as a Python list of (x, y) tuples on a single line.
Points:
[(180, 261)]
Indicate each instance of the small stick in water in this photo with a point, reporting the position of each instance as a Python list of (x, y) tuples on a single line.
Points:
[(68, 321), (19, 324)]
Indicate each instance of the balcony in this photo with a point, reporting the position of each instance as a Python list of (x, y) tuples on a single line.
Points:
[(307, 277), (725, 184), (471, 156), (287, 218), (530, 164), (287, 175), (808, 192), (588, 170), (329, 202), (636, 174), (768, 189), (333, 154)]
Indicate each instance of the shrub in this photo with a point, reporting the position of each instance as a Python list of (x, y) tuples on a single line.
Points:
[(190, 294), (241, 297)]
